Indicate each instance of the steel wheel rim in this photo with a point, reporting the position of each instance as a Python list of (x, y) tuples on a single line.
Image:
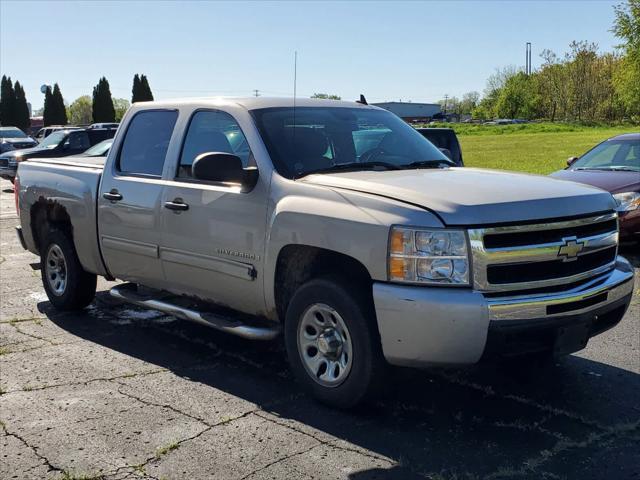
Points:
[(324, 344), (56, 270)]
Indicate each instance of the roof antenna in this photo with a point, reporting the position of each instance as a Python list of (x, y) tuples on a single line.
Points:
[(362, 100), (295, 83)]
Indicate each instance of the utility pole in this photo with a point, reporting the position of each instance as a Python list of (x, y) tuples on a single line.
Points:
[(446, 97), (256, 92)]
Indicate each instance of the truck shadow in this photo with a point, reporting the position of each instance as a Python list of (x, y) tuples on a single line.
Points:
[(498, 421)]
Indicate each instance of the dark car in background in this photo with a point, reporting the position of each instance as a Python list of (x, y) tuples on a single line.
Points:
[(613, 165), (100, 150), (44, 132), (61, 143), (446, 140), (12, 138)]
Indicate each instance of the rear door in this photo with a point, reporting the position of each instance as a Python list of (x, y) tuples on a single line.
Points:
[(129, 199)]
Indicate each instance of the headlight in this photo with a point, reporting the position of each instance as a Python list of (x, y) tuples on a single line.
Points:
[(627, 201), (15, 160), (427, 256)]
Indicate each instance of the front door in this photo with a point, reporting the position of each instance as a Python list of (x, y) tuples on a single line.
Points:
[(129, 200), (213, 235)]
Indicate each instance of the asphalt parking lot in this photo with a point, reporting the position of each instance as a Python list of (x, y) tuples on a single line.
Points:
[(115, 392)]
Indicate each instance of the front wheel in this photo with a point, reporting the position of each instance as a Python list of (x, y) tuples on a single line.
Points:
[(67, 284), (333, 343)]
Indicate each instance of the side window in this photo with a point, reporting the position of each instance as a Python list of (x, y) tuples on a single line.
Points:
[(77, 141), (212, 131), (146, 142)]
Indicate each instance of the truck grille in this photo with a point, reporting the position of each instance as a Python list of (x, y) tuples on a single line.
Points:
[(543, 255), (4, 162)]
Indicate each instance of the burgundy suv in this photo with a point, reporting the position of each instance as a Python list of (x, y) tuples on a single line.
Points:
[(613, 165)]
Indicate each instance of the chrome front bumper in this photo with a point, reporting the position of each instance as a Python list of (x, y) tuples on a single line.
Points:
[(422, 326)]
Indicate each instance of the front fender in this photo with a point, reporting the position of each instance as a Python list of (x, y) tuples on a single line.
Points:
[(350, 223)]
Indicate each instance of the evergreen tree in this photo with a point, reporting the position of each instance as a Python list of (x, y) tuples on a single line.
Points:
[(22, 118), (48, 114), (145, 90), (103, 110), (7, 102), (135, 91), (59, 109)]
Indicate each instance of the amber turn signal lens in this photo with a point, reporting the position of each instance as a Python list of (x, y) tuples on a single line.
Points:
[(397, 241), (397, 268)]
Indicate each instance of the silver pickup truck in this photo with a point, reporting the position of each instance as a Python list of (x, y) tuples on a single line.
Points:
[(334, 223)]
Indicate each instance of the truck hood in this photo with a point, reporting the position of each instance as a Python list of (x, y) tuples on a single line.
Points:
[(469, 196)]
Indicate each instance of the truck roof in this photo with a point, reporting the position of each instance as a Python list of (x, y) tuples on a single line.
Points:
[(252, 103)]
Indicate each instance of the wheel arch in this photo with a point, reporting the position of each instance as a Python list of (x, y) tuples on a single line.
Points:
[(298, 263)]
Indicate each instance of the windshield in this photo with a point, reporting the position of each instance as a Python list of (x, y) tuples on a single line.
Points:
[(12, 133), (329, 138), (53, 140), (611, 155), (100, 149)]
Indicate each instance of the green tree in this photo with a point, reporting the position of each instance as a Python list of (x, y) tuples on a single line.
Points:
[(22, 117), (48, 114), (7, 102), (80, 111), (141, 92), (469, 102), (326, 96), (135, 90), (59, 109), (147, 96), (517, 99), (121, 105), (103, 109), (626, 77)]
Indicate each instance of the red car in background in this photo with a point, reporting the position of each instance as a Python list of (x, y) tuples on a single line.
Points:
[(613, 165)]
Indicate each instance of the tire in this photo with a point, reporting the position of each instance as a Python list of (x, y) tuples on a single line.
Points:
[(67, 284), (360, 364)]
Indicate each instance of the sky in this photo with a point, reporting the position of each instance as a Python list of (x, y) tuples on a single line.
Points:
[(410, 51)]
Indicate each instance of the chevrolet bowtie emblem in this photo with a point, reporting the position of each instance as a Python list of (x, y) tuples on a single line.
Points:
[(570, 250)]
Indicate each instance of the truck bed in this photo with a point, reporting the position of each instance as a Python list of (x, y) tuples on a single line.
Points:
[(70, 182)]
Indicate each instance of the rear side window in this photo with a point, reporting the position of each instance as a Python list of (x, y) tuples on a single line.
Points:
[(146, 142), (77, 141)]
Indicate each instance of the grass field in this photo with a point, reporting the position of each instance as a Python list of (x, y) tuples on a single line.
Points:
[(534, 148)]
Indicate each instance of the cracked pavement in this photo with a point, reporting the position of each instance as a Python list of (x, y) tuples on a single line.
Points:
[(118, 393)]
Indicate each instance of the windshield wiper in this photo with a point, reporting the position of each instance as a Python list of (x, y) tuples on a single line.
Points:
[(429, 164), (613, 167), (353, 166)]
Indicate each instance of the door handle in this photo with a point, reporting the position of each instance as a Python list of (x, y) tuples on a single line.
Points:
[(176, 205), (112, 196)]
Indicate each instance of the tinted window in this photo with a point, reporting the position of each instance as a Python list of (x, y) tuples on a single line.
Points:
[(77, 141), (12, 133), (212, 132), (146, 142), (611, 155)]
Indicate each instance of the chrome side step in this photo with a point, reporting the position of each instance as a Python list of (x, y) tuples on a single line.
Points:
[(128, 292)]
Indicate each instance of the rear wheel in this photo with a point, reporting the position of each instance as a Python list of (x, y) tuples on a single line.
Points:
[(67, 284), (333, 343)]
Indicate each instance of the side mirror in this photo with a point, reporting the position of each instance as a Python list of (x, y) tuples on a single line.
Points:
[(224, 168), (447, 153), (571, 160)]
